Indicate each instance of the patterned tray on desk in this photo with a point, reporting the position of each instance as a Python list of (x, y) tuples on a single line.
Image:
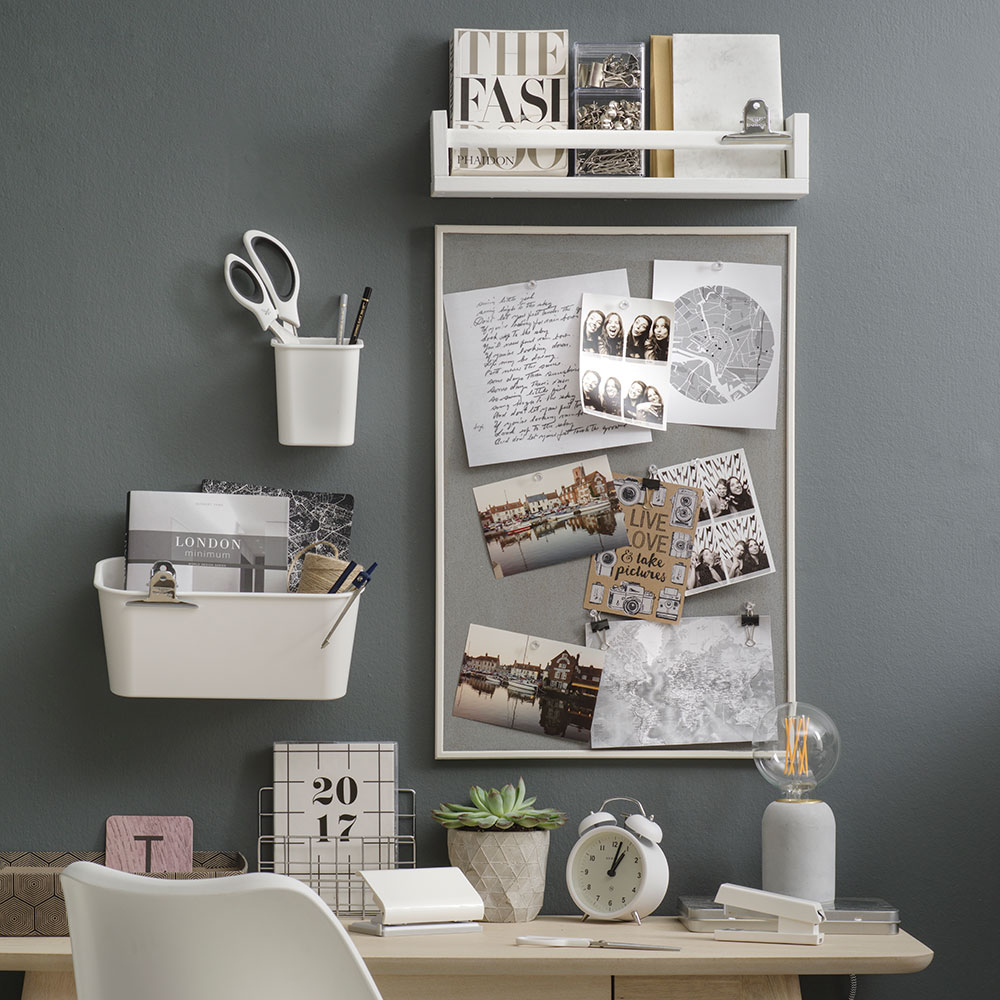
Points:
[(31, 899)]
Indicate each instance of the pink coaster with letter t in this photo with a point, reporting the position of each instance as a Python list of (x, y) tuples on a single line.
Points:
[(149, 843)]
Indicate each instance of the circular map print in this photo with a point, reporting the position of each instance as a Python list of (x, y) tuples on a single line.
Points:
[(723, 344)]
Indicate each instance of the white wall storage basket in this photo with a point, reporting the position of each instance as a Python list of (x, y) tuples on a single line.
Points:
[(227, 646)]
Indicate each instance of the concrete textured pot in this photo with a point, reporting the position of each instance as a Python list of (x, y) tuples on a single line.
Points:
[(506, 867)]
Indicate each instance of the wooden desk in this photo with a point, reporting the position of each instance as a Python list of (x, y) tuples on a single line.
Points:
[(490, 966)]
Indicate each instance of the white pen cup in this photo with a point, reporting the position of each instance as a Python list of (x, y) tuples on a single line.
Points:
[(317, 387)]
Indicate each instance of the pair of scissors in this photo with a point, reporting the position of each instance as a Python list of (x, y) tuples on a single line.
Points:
[(566, 942), (253, 286)]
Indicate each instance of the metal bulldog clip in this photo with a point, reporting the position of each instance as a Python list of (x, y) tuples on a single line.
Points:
[(756, 125), (163, 587), (600, 624), (749, 621)]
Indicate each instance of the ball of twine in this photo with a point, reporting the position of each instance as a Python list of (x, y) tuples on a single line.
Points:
[(320, 572)]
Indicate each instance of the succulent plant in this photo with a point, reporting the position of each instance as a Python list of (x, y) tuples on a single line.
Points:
[(498, 809)]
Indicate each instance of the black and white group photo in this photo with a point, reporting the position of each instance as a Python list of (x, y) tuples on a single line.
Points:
[(624, 370)]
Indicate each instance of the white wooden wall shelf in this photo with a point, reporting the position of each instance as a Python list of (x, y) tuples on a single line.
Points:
[(791, 187)]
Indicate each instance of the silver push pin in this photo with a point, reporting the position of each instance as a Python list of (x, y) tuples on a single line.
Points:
[(756, 125), (163, 587)]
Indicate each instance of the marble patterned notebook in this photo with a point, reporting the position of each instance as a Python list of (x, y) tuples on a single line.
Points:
[(714, 77)]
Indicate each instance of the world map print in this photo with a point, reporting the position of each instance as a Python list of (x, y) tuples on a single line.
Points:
[(674, 685)]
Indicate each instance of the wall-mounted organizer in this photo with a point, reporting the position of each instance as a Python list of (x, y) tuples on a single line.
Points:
[(316, 379), (609, 93), (330, 865), (225, 645), (791, 187)]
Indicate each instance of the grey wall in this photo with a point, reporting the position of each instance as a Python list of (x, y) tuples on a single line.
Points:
[(140, 139)]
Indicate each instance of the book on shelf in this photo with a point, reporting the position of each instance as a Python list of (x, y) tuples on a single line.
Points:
[(517, 80), (661, 101), (216, 542), (713, 78)]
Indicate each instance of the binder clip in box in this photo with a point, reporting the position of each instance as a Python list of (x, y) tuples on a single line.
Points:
[(421, 901)]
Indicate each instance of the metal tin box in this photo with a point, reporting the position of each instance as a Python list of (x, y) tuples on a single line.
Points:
[(703, 915)]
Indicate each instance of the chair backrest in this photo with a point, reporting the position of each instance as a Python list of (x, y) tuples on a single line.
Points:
[(242, 937)]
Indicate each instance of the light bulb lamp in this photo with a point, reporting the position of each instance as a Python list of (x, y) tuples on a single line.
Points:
[(795, 747)]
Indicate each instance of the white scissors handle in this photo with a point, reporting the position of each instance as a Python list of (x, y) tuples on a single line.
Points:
[(287, 305), (553, 942), (259, 304)]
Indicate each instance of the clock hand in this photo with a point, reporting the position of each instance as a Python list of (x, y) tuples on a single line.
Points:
[(616, 860)]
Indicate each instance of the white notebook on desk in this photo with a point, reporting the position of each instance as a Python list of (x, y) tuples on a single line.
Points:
[(713, 78)]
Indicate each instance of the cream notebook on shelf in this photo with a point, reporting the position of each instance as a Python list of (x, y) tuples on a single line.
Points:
[(713, 78)]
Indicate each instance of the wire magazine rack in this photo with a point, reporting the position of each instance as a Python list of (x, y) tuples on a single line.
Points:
[(331, 866)]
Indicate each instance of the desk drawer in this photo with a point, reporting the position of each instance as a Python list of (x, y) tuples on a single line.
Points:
[(706, 988), (501, 987)]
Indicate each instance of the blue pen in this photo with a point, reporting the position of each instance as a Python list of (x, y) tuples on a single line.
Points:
[(360, 582)]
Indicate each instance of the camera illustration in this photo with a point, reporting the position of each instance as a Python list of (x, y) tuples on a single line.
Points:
[(668, 607), (681, 545), (604, 562), (597, 593), (629, 491), (630, 599), (677, 573), (682, 508)]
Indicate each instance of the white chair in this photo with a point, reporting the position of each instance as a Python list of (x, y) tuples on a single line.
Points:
[(242, 937)]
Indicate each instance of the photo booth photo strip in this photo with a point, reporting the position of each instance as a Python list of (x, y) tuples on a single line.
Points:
[(624, 354), (730, 544)]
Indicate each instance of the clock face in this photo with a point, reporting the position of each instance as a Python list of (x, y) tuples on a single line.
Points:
[(607, 873)]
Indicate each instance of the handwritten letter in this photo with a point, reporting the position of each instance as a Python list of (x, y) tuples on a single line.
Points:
[(515, 358)]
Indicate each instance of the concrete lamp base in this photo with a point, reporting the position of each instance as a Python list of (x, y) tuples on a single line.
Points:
[(799, 849)]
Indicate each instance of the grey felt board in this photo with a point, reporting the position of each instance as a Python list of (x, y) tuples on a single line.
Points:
[(547, 602)]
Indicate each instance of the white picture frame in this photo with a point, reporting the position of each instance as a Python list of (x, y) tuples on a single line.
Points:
[(469, 257)]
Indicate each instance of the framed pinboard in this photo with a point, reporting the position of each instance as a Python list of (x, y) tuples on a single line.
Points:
[(548, 601)]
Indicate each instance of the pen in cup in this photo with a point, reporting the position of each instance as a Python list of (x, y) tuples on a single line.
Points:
[(342, 319), (361, 316)]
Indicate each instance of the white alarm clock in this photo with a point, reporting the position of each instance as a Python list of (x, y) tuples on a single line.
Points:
[(614, 872)]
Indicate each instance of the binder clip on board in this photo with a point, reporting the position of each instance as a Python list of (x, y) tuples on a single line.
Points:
[(599, 624), (749, 620), (756, 125), (421, 901), (163, 587), (798, 919)]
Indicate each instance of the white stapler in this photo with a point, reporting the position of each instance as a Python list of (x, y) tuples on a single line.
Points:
[(421, 901), (798, 919)]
